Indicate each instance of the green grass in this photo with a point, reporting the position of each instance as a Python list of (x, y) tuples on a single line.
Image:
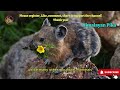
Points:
[(9, 34), (102, 60)]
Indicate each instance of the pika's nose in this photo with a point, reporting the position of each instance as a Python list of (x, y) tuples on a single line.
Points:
[(42, 39)]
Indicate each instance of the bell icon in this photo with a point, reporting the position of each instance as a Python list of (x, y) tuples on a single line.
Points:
[(101, 72)]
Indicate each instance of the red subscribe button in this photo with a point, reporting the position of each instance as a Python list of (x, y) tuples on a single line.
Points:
[(109, 72)]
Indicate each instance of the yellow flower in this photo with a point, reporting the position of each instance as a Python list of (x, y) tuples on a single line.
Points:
[(40, 49)]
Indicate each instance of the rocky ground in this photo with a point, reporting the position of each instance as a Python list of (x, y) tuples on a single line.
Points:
[(18, 62)]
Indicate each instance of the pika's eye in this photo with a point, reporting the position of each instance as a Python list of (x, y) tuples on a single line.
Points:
[(42, 39)]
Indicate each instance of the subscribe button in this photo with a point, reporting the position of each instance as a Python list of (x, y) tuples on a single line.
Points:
[(109, 72)]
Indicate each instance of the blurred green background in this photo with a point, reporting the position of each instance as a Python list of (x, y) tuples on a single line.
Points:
[(9, 34)]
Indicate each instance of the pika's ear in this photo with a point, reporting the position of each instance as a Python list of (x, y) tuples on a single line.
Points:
[(61, 32), (46, 22)]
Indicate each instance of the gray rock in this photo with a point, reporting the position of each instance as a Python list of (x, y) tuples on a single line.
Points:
[(14, 62), (115, 60), (110, 35), (106, 16)]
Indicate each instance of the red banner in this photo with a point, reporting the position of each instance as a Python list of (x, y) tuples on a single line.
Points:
[(109, 72)]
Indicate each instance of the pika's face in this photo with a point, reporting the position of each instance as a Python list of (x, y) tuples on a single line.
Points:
[(45, 35), (50, 34)]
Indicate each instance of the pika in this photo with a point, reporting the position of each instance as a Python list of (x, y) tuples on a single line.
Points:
[(71, 40)]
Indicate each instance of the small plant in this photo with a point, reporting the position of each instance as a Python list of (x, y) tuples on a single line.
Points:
[(44, 51)]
